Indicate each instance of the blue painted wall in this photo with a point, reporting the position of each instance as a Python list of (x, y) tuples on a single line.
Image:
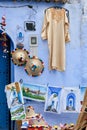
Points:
[(72, 76)]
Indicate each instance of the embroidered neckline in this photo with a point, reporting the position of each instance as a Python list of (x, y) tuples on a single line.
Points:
[(57, 14)]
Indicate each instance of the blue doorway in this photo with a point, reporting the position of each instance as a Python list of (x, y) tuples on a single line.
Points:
[(5, 78), (71, 99)]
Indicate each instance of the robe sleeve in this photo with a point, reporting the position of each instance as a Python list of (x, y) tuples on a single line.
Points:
[(44, 27), (67, 35)]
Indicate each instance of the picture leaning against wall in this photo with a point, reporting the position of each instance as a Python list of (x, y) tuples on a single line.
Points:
[(14, 94)]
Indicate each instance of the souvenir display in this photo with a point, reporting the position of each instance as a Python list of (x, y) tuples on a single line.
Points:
[(29, 26), (71, 99), (3, 23), (53, 98), (31, 102), (34, 92), (33, 40), (64, 127), (20, 35), (82, 92), (19, 56), (17, 112), (37, 121), (15, 101), (33, 45), (30, 113), (34, 66), (34, 120), (57, 37), (14, 94)]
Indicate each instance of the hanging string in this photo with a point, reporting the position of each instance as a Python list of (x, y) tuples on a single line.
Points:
[(19, 6)]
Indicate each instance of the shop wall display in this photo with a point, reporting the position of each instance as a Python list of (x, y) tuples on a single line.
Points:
[(70, 77), (72, 49)]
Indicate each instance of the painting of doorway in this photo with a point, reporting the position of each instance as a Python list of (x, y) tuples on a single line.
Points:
[(71, 101)]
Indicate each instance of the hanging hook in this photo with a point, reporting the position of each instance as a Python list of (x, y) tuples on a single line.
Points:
[(31, 7), (33, 11)]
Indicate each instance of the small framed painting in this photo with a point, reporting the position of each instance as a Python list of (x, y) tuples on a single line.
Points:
[(33, 40), (18, 112), (71, 100), (29, 26), (14, 94), (34, 92), (53, 98)]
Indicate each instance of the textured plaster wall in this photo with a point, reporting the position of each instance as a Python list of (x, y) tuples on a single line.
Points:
[(72, 76), (84, 43)]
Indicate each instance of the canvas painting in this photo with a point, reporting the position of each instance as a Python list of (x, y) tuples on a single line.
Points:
[(82, 92), (53, 98), (34, 92), (17, 112), (71, 99), (14, 94)]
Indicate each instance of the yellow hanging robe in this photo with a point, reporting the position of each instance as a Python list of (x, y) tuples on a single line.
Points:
[(55, 30)]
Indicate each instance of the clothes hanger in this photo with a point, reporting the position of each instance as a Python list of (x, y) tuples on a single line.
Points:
[(60, 7)]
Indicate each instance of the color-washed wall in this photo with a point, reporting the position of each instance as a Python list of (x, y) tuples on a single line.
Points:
[(84, 43), (72, 76)]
